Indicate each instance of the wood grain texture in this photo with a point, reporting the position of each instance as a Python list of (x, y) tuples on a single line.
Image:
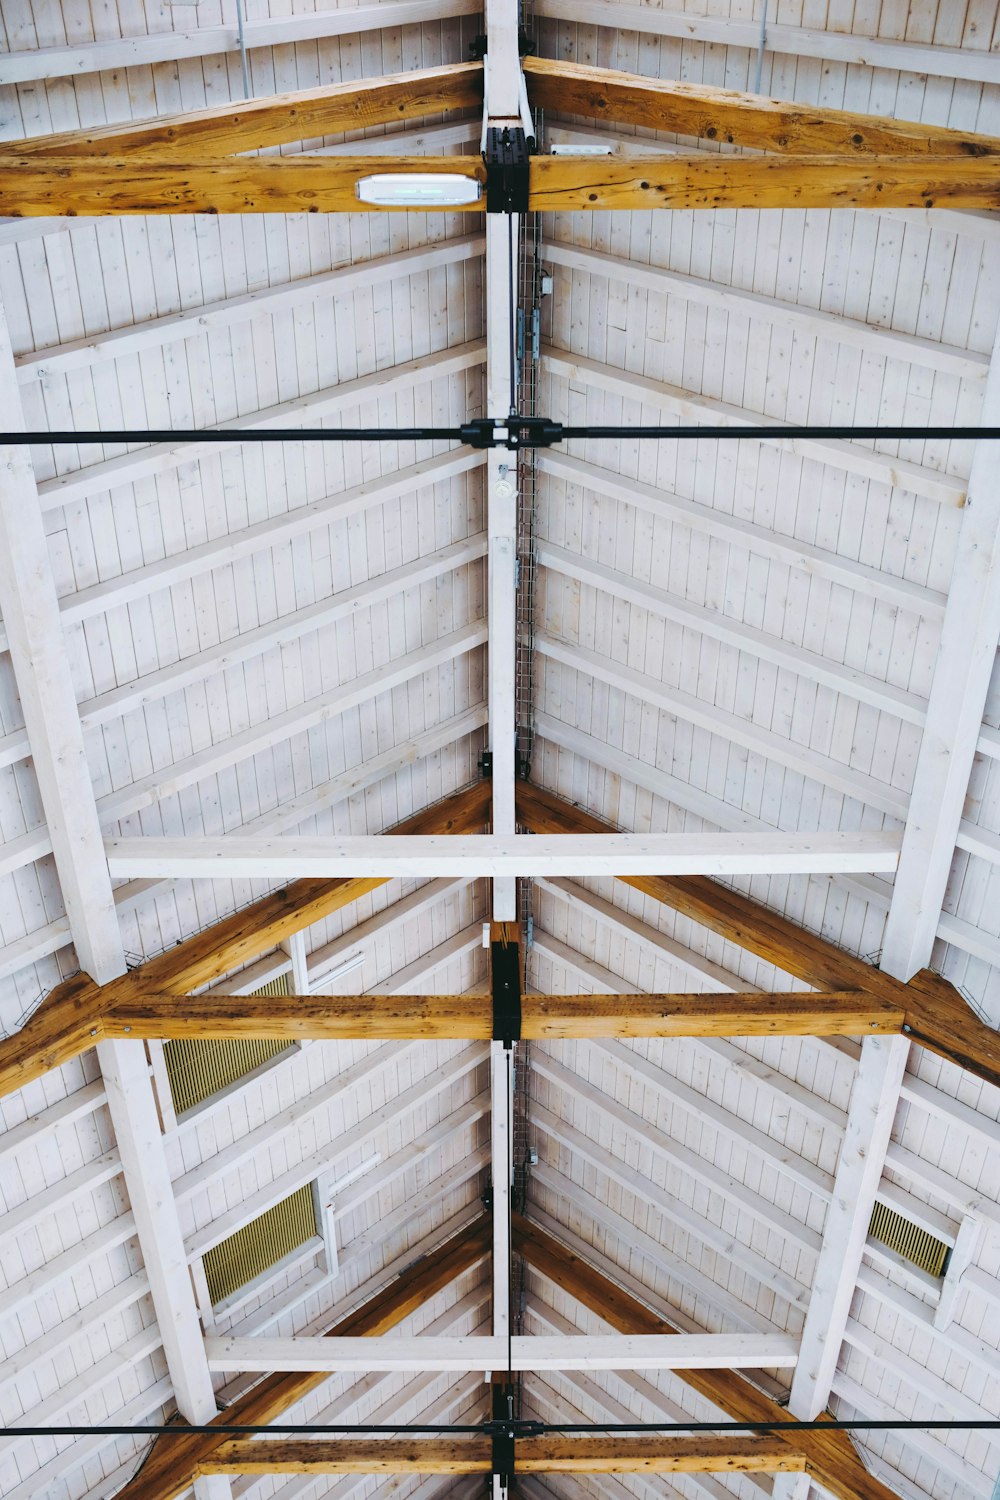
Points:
[(301, 115), (175, 1462), (551, 1454), (831, 1458), (725, 115), (565, 184), (839, 1013), (36, 185), (300, 1017), (471, 1455)]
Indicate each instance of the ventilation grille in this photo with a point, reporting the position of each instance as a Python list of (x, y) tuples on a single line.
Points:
[(197, 1070), (259, 1245), (907, 1240)]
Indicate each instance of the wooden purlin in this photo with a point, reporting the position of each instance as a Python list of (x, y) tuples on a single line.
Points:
[(934, 1012), (175, 1462), (255, 123), (71, 1018), (830, 1457), (725, 115)]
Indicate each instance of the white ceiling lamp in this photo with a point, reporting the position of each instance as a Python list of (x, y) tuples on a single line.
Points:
[(418, 190), (330, 976)]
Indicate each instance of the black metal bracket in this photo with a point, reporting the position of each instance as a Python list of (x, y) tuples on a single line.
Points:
[(513, 432), (486, 764), (503, 1453), (505, 973), (506, 158)]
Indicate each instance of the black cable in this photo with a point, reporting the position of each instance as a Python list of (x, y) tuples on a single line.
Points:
[(713, 433), (509, 1053), (525, 1428)]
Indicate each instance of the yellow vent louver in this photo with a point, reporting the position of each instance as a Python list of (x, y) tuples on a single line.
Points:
[(259, 1245), (196, 1069), (916, 1245)]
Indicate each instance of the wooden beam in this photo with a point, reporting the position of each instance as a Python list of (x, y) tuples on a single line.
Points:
[(567, 184), (725, 115), (555, 1454), (395, 1016), (830, 1457), (694, 1351), (174, 1462), (549, 1454), (31, 185), (238, 856), (255, 123), (34, 185), (470, 1455), (71, 1019), (936, 1015)]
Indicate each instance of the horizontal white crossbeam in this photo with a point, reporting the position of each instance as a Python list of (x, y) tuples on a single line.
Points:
[(696, 1351), (238, 857)]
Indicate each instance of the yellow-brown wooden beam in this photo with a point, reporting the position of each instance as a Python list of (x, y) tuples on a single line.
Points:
[(71, 1019), (175, 1462), (724, 115), (548, 1454), (933, 1011), (254, 123), (829, 1456), (53, 186), (468, 1017)]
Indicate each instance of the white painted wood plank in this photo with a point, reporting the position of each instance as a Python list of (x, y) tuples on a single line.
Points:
[(206, 41), (870, 1118), (737, 1351), (953, 728), (238, 856)]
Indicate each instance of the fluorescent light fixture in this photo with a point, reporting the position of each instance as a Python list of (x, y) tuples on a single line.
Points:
[(570, 149), (418, 190), (328, 976)]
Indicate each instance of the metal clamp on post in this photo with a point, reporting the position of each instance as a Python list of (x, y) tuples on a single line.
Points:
[(506, 158), (505, 970)]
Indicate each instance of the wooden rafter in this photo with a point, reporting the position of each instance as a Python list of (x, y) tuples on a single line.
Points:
[(550, 1454), (175, 1462), (830, 1457), (255, 123), (724, 115)]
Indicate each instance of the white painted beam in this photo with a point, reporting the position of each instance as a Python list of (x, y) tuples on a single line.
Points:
[(736, 531), (870, 1117), (962, 673), (104, 348), (713, 624), (207, 41), (691, 407), (794, 41), (739, 731), (263, 736), (45, 688), (159, 458), (55, 935), (388, 855), (888, 343), (705, 1351)]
